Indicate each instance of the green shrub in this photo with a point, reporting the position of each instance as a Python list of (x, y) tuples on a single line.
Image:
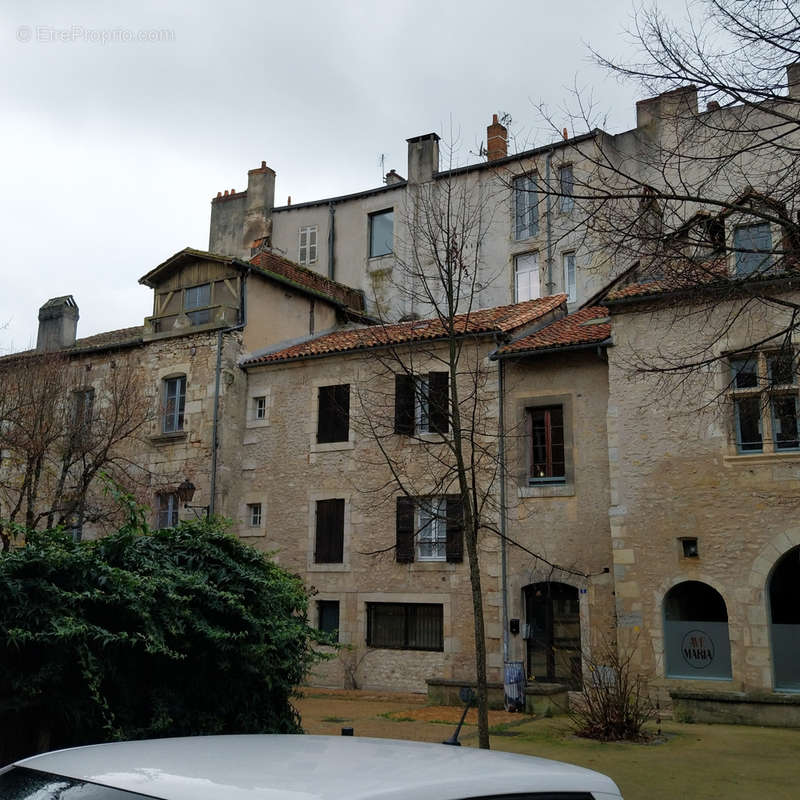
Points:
[(146, 634)]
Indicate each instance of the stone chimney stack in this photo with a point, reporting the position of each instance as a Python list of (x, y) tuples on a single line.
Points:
[(677, 103), (423, 158), (496, 140), (58, 324), (392, 177), (793, 80), (260, 202)]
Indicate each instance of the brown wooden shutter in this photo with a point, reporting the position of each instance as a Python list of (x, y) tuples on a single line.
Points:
[(329, 542), (333, 418), (455, 529), (404, 550), (439, 402), (404, 404)]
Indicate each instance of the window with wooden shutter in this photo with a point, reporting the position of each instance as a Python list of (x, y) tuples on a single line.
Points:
[(404, 544), (333, 418), (422, 403), (329, 541), (455, 529)]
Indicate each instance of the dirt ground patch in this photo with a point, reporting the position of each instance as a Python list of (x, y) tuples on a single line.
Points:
[(701, 762)]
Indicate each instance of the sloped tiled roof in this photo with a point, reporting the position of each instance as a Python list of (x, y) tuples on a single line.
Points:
[(587, 326), (100, 341), (500, 319), (278, 265)]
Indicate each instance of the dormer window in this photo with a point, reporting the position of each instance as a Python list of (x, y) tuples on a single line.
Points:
[(752, 246), (196, 300)]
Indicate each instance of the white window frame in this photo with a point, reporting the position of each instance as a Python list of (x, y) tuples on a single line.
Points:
[(255, 515), (527, 282), (170, 514), (260, 407), (307, 245), (570, 280), (431, 527), (566, 200)]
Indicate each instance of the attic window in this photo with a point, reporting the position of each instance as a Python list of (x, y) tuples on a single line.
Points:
[(198, 297)]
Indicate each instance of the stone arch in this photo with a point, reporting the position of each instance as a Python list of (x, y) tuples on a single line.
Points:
[(696, 639), (783, 612)]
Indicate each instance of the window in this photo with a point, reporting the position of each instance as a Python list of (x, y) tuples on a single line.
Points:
[(422, 403), (547, 462), (254, 514), (82, 409), (381, 233), (167, 511), (174, 404), (198, 297), (566, 188), (328, 616), (333, 417), (307, 248), (753, 248), (329, 541), (429, 529), (526, 277), (405, 626), (260, 407), (570, 287), (764, 393), (526, 207)]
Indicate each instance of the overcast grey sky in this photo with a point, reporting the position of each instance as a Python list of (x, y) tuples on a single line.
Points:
[(112, 147)]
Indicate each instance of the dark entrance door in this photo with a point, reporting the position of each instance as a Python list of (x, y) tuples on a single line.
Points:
[(784, 606), (553, 631)]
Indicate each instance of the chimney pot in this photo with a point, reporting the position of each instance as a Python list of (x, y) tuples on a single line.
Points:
[(226, 193), (565, 134), (712, 105), (263, 165), (793, 80), (289, 200), (219, 194)]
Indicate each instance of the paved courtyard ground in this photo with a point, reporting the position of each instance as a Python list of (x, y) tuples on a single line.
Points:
[(697, 762)]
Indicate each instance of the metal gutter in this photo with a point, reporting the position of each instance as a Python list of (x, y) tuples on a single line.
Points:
[(342, 197), (503, 545)]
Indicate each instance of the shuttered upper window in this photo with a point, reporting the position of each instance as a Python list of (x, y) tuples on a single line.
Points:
[(329, 540), (307, 247), (333, 418), (422, 403), (430, 529)]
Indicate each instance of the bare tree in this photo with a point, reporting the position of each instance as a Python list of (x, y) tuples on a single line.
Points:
[(436, 369), (701, 200), (58, 432)]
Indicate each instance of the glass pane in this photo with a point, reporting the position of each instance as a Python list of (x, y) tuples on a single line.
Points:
[(20, 783), (745, 373), (784, 423), (381, 234), (197, 296), (748, 424), (527, 276), (752, 244), (781, 369)]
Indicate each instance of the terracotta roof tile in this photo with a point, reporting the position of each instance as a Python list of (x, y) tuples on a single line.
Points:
[(108, 339), (272, 262), (500, 319), (587, 326)]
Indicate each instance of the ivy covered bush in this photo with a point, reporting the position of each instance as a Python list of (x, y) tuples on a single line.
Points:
[(146, 634)]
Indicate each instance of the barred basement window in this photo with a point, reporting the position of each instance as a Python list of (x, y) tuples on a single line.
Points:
[(405, 626)]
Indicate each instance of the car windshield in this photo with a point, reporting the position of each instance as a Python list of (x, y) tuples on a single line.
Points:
[(20, 783)]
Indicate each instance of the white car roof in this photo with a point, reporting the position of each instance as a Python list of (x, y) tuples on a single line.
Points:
[(296, 767)]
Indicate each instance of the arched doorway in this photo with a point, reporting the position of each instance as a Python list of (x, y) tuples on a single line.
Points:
[(696, 643), (784, 610), (553, 633)]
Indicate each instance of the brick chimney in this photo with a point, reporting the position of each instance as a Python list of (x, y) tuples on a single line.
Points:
[(496, 140), (58, 324)]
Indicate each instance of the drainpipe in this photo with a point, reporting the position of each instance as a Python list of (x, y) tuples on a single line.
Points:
[(217, 373), (502, 456), (549, 226), (331, 240)]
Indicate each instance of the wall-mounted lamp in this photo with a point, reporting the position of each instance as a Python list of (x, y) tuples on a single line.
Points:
[(185, 492)]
